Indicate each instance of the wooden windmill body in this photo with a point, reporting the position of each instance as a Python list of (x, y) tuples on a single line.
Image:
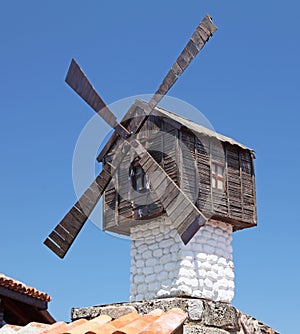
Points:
[(177, 189)]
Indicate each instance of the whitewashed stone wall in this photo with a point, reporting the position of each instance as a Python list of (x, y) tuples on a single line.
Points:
[(163, 266)]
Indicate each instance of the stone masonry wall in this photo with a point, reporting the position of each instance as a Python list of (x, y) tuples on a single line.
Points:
[(203, 317), (163, 266)]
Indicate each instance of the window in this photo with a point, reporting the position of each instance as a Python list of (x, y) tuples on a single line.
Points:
[(138, 177), (217, 176)]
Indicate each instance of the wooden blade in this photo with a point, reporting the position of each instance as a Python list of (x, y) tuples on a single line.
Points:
[(185, 216), (202, 34), (64, 234), (77, 80)]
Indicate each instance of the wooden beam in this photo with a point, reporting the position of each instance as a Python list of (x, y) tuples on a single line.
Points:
[(40, 304), (1, 313)]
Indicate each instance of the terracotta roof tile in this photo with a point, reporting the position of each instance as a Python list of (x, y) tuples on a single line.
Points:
[(90, 326), (114, 325), (156, 322), (141, 323), (66, 327), (166, 323), (17, 286)]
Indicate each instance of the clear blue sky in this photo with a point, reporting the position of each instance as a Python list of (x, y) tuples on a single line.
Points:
[(246, 82)]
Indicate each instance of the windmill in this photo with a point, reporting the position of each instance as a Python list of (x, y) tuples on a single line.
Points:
[(186, 217)]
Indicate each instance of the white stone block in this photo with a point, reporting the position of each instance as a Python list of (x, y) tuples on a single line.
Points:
[(148, 270), (166, 284), (206, 265), (154, 224), (194, 283), (140, 264), (186, 254), (133, 270), (183, 272), (223, 295), (133, 252), (166, 243), (139, 297), (208, 284), (166, 258), (201, 256), (186, 290), (206, 234), (156, 232), (163, 293), (142, 288), (138, 279), (150, 278), (174, 256), (222, 261), (157, 253), (158, 268), (162, 276), (142, 248), (202, 273), (197, 247), (212, 242), (208, 249), (151, 262), (208, 294), (187, 263), (171, 266), (219, 231), (147, 255), (213, 276), (159, 238), (228, 273), (174, 248), (212, 258), (154, 286), (153, 246)]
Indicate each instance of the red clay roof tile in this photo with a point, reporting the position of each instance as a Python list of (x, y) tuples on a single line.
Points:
[(167, 323), (14, 285), (90, 326), (154, 322), (114, 325), (141, 323)]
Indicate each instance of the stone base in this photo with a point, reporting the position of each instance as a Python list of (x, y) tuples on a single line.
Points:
[(203, 316), (162, 266)]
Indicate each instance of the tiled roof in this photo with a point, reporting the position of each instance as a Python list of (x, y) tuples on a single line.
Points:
[(156, 321), (14, 285)]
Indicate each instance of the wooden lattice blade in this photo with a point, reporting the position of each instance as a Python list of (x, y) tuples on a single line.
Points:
[(199, 38), (77, 80), (185, 216), (64, 234)]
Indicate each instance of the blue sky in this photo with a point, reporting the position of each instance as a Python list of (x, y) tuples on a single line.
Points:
[(246, 82)]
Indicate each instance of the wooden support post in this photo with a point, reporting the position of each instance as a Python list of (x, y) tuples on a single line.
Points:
[(1, 314)]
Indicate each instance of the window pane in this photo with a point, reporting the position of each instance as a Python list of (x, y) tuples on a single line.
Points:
[(213, 167), (220, 184), (220, 171), (213, 182)]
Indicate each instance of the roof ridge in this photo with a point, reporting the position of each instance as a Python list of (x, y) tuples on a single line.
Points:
[(20, 287)]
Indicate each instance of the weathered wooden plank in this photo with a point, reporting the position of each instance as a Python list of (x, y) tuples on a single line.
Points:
[(64, 233), (54, 248), (62, 243), (190, 227), (78, 81)]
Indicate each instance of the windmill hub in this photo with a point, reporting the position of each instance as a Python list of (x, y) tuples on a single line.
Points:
[(162, 266)]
